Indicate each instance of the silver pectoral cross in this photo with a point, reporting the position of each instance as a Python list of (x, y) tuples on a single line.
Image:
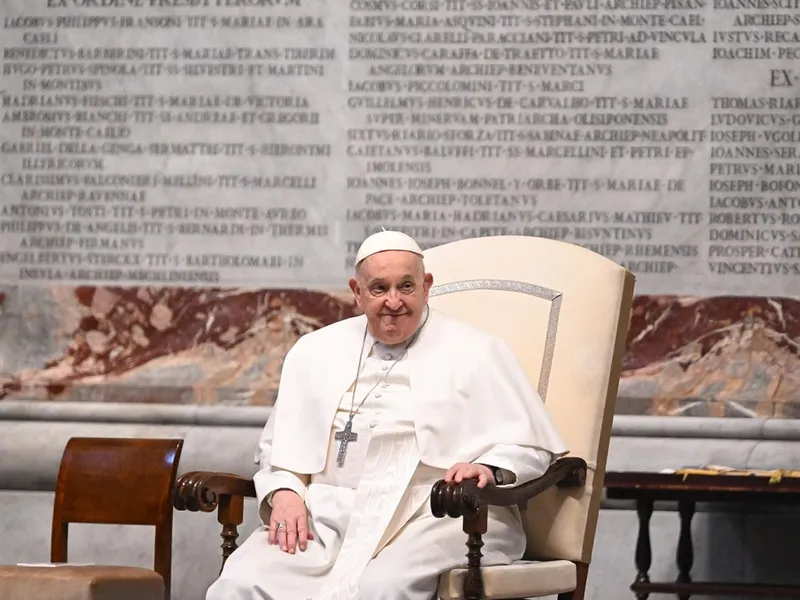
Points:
[(345, 437)]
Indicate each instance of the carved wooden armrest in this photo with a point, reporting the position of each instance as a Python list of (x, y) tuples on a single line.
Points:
[(206, 491), (460, 499), (201, 490), (467, 500)]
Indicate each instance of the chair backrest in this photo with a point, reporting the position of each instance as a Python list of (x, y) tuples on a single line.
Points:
[(118, 481), (564, 311)]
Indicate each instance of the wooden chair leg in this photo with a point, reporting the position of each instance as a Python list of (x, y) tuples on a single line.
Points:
[(230, 515), (475, 526)]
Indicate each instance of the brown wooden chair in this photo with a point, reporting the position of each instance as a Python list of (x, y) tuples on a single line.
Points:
[(564, 311), (110, 481)]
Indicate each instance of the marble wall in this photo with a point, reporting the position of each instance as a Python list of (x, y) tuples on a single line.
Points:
[(717, 357), (166, 143)]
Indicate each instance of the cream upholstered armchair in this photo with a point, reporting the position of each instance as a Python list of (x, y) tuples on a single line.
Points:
[(564, 311)]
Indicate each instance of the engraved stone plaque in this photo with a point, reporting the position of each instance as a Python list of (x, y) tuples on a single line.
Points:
[(257, 142)]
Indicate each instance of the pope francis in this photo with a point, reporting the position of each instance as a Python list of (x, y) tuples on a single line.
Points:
[(370, 413)]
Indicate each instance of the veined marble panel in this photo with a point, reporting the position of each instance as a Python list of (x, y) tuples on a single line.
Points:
[(716, 357), (161, 345), (722, 356)]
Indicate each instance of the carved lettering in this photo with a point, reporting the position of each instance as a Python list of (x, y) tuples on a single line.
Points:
[(258, 143)]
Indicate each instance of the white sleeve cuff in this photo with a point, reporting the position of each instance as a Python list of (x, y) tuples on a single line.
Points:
[(519, 464), (268, 481)]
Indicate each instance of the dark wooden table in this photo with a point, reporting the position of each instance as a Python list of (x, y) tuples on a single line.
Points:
[(647, 488)]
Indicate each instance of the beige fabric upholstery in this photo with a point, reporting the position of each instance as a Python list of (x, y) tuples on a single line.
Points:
[(518, 580), (80, 583), (564, 311)]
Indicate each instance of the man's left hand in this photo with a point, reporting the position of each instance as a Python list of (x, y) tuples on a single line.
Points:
[(461, 471)]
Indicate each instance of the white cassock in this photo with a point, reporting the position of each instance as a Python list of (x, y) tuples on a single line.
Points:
[(457, 395)]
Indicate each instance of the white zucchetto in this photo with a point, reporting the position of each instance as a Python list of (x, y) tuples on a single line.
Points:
[(387, 240)]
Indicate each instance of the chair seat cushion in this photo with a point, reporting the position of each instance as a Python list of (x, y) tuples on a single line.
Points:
[(521, 579), (66, 582)]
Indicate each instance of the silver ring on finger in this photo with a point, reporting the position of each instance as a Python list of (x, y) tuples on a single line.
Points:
[(280, 526)]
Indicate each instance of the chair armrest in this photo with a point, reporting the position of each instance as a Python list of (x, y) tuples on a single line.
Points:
[(465, 498), (207, 491), (201, 490)]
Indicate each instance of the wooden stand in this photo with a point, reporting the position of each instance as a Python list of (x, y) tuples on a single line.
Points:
[(687, 490)]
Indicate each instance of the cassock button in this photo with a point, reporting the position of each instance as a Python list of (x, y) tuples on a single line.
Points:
[(373, 424), (384, 367), (377, 394), (384, 384)]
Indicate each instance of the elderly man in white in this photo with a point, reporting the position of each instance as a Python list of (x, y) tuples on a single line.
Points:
[(370, 413)]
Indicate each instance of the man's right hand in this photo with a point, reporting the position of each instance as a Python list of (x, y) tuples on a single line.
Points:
[(288, 508)]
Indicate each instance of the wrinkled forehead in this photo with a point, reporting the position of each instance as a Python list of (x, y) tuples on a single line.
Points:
[(392, 265)]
